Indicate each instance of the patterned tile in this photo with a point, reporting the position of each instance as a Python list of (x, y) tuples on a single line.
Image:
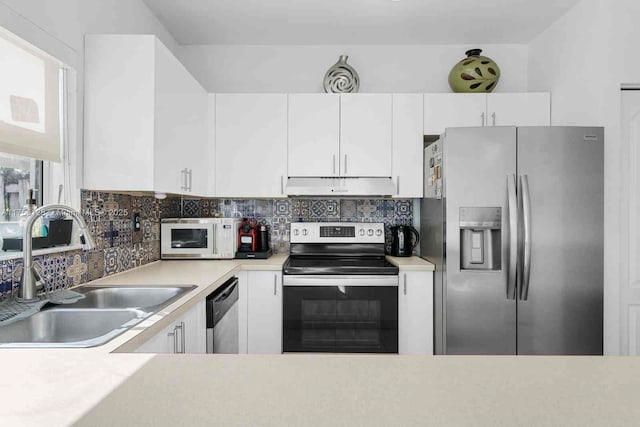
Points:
[(263, 208), (95, 264), (77, 269), (282, 208), (348, 209), (110, 261), (367, 209), (6, 278), (150, 230), (404, 209), (125, 258), (191, 209), (106, 212)]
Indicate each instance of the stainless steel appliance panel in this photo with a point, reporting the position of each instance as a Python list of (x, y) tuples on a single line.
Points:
[(223, 334), (478, 166), (562, 313), (432, 249)]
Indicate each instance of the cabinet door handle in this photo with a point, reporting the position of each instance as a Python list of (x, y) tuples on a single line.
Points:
[(398, 185), (275, 284), (183, 338), (175, 339), (493, 117), (174, 334), (182, 179), (405, 283), (482, 117), (334, 164), (345, 164), (281, 184), (190, 180)]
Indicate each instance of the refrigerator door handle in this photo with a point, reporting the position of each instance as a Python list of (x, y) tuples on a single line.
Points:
[(513, 237), (526, 236)]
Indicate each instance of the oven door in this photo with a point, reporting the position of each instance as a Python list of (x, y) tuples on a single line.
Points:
[(340, 314), (187, 240)]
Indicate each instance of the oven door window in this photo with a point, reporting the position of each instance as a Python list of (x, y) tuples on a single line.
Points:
[(189, 238), (340, 319)]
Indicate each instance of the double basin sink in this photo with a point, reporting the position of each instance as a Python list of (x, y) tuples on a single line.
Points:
[(104, 313)]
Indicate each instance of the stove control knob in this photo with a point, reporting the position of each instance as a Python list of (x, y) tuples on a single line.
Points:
[(304, 232), (296, 232), (370, 232), (361, 232), (378, 232)]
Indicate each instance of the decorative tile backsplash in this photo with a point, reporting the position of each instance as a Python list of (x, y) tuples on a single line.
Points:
[(119, 248), (278, 214), (109, 217)]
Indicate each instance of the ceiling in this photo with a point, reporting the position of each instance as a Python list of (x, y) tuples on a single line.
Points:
[(302, 22)]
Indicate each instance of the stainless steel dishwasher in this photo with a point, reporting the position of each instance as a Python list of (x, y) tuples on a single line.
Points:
[(222, 319)]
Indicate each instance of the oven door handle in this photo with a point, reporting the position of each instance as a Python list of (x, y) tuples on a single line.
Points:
[(354, 280)]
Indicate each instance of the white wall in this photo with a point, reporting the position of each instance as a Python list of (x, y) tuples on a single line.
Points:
[(583, 59), (383, 68), (58, 27), (69, 20)]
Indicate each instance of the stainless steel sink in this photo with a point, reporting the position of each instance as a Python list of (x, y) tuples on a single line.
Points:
[(104, 313), (146, 298), (68, 328)]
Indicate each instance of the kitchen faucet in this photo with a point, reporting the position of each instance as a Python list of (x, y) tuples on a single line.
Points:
[(30, 277)]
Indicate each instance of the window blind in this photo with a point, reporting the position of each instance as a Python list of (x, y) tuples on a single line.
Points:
[(29, 100)]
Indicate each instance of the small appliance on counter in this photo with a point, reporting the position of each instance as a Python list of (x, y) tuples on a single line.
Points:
[(404, 240), (253, 241), (247, 236), (198, 238)]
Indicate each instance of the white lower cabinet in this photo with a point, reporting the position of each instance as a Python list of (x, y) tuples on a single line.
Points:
[(185, 335), (263, 293), (415, 312)]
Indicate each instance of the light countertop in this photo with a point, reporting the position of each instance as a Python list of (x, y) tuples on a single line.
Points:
[(375, 390), (411, 263), (56, 386)]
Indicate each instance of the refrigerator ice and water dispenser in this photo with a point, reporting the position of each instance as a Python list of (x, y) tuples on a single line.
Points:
[(480, 238)]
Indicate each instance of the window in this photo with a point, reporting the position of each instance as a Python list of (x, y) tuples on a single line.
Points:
[(33, 124), (18, 175), (29, 100)]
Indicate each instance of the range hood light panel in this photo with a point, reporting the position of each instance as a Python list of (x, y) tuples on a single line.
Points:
[(336, 187)]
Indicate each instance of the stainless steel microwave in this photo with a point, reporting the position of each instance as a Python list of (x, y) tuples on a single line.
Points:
[(199, 238)]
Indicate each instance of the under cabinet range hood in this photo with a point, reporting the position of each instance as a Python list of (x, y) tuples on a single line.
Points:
[(303, 186)]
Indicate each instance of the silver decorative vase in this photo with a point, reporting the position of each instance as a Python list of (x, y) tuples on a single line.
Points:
[(341, 78)]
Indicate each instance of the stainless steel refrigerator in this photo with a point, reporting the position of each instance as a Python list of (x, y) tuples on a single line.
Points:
[(513, 220)]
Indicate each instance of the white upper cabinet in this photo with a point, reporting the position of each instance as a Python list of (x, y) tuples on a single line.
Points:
[(180, 128), (408, 144), (251, 145), (445, 110), (448, 110), (519, 109), (365, 135), (314, 135), (145, 118)]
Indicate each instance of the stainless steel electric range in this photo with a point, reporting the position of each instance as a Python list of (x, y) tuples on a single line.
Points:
[(340, 293)]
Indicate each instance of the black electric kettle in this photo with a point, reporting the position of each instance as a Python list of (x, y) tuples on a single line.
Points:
[(401, 240)]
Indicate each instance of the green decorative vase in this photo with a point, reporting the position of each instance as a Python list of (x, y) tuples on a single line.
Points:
[(474, 74)]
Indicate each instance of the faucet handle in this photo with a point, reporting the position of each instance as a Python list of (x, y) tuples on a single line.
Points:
[(37, 277)]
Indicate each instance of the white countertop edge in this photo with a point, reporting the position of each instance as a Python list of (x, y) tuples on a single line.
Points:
[(412, 263)]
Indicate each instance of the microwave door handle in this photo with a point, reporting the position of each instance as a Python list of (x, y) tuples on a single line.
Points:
[(214, 236)]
